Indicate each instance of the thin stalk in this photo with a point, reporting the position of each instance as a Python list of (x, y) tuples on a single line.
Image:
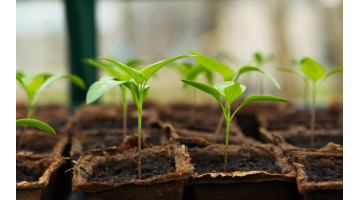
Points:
[(305, 95), (193, 107), (139, 136), (226, 142), (217, 131), (312, 121), (125, 106), (30, 114)]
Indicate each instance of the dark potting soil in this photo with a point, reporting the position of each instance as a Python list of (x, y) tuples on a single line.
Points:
[(31, 169), (38, 142), (322, 174), (117, 173), (211, 159), (108, 123), (303, 141), (245, 164)]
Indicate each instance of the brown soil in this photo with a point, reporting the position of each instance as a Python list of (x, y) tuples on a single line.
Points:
[(302, 140), (31, 168), (123, 167), (210, 160), (321, 167)]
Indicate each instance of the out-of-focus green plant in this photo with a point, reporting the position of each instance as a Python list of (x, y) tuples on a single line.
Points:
[(230, 91), (314, 75), (137, 85)]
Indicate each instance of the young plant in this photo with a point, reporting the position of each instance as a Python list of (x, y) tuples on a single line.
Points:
[(118, 75), (34, 85), (230, 91), (138, 87), (315, 75), (260, 60), (229, 74), (306, 81)]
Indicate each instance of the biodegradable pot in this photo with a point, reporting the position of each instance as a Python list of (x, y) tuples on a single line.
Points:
[(90, 140), (192, 138), (42, 142), (56, 116), (35, 176), (319, 174), (183, 125), (164, 169), (247, 117), (93, 117), (299, 137), (253, 172)]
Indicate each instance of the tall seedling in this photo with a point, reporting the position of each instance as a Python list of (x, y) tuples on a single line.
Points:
[(119, 75), (229, 74), (261, 60), (314, 74), (230, 91), (34, 85), (138, 87)]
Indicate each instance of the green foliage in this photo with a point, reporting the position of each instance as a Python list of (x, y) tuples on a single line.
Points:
[(261, 59), (36, 123), (34, 85), (191, 71), (230, 91), (228, 73), (98, 88)]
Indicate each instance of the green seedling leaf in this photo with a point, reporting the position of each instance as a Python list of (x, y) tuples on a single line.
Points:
[(213, 65), (110, 69), (98, 88), (134, 73), (35, 123), (73, 78), (255, 98), (210, 90), (34, 86), (312, 69), (146, 92), (245, 69), (148, 71), (261, 59), (135, 62), (230, 90), (293, 71), (334, 71), (134, 91)]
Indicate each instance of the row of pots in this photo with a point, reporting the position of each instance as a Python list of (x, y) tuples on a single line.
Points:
[(190, 162)]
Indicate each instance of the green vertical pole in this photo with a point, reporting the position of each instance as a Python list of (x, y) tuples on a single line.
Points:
[(80, 19)]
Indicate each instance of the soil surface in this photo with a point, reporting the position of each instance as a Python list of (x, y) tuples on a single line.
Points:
[(119, 172), (31, 168), (323, 174), (37, 141), (303, 141), (211, 159)]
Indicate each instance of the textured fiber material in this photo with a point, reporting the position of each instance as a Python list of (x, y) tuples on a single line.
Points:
[(40, 142), (319, 173), (250, 167), (35, 175), (103, 176)]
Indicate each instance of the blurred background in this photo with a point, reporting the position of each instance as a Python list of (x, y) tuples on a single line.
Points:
[(229, 30)]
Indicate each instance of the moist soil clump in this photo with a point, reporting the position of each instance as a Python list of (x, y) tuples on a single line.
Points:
[(117, 174), (31, 168), (301, 140)]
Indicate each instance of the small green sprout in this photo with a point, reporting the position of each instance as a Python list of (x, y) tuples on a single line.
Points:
[(118, 74), (230, 91), (229, 74), (313, 74), (138, 87), (34, 85)]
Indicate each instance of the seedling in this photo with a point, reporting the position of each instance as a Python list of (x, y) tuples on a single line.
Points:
[(34, 85), (229, 74), (230, 91), (138, 87), (314, 74), (118, 75), (36, 124), (260, 60)]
